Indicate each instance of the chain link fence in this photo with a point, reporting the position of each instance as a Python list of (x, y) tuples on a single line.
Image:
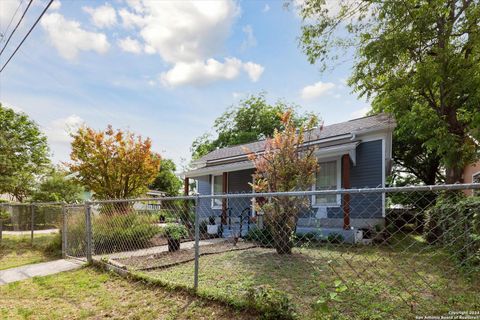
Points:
[(407, 251), (356, 253), (32, 221)]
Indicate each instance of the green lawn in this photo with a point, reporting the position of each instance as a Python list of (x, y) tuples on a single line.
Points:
[(401, 280), (91, 294), (17, 250)]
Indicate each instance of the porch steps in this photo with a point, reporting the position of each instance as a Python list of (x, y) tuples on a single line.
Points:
[(234, 229)]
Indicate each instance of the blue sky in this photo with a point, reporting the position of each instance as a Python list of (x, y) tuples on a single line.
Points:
[(161, 69)]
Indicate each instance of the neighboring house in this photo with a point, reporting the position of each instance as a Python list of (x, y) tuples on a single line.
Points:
[(352, 154), (471, 174)]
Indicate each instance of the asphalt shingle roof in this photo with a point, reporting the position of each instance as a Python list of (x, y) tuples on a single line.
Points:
[(351, 126)]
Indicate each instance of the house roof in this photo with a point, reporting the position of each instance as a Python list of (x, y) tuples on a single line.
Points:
[(355, 126)]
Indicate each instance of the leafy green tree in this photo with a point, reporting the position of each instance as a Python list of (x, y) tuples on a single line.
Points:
[(418, 60), (23, 153), (166, 179), (252, 119), (57, 186)]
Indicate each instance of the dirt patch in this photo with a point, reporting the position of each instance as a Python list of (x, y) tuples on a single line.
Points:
[(168, 259)]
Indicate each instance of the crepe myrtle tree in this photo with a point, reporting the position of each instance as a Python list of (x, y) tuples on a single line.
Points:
[(286, 165)]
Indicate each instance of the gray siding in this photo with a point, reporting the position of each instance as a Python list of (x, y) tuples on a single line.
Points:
[(238, 181), (367, 174)]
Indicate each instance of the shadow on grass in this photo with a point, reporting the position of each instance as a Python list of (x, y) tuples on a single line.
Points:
[(18, 250), (404, 277)]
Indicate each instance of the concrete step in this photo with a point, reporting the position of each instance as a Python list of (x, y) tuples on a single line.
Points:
[(231, 230)]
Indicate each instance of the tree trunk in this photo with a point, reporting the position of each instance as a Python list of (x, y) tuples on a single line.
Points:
[(454, 175)]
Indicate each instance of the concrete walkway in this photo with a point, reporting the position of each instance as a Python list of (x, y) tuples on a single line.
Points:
[(158, 249), (38, 269), (27, 233)]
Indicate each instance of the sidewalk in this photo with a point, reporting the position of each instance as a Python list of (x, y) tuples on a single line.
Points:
[(25, 233), (38, 269)]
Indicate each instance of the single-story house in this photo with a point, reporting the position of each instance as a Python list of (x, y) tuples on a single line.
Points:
[(351, 154)]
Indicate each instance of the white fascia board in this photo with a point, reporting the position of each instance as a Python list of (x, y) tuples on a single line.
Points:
[(218, 171), (333, 151)]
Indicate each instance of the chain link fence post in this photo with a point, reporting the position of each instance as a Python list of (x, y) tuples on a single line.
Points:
[(32, 227), (197, 240), (1, 222), (88, 229), (64, 231)]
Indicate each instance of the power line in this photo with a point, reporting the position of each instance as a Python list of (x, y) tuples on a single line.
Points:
[(28, 33), (11, 20), (18, 23)]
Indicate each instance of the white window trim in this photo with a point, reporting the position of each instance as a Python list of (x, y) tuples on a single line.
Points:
[(475, 175), (338, 203), (212, 183)]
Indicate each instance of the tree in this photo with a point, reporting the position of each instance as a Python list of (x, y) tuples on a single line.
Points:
[(58, 187), (113, 164), (23, 153), (166, 179), (285, 166), (253, 119), (418, 60)]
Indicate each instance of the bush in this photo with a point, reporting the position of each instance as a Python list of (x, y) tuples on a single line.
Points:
[(263, 236), (54, 247), (308, 237), (274, 304), (454, 223), (335, 238), (165, 215), (122, 232), (175, 231)]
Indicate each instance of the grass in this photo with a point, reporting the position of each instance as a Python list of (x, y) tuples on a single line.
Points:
[(17, 251), (401, 280), (91, 294)]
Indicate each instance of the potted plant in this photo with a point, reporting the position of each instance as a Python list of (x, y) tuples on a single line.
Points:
[(161, 217), (212, 228), (174, 233)]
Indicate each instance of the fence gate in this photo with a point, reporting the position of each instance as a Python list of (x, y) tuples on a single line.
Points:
[(74, 236)]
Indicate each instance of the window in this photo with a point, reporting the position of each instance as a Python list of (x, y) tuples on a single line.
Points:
[(217, 188), (476, 179), (326, 180)]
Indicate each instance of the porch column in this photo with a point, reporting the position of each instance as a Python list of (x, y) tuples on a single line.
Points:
[(346, 196), (224, 201), (186, 186)]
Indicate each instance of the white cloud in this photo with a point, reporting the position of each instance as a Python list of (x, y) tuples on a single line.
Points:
[(55, 5), (266, 8), (187, 31), (130, 20), (187, 35), (59, 130), (237, 95), (103, 17), (361, 112), (68, 37), (316, 90), (250, 40), (7, 9), (201, 73), (130, 45), (253, 70)]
